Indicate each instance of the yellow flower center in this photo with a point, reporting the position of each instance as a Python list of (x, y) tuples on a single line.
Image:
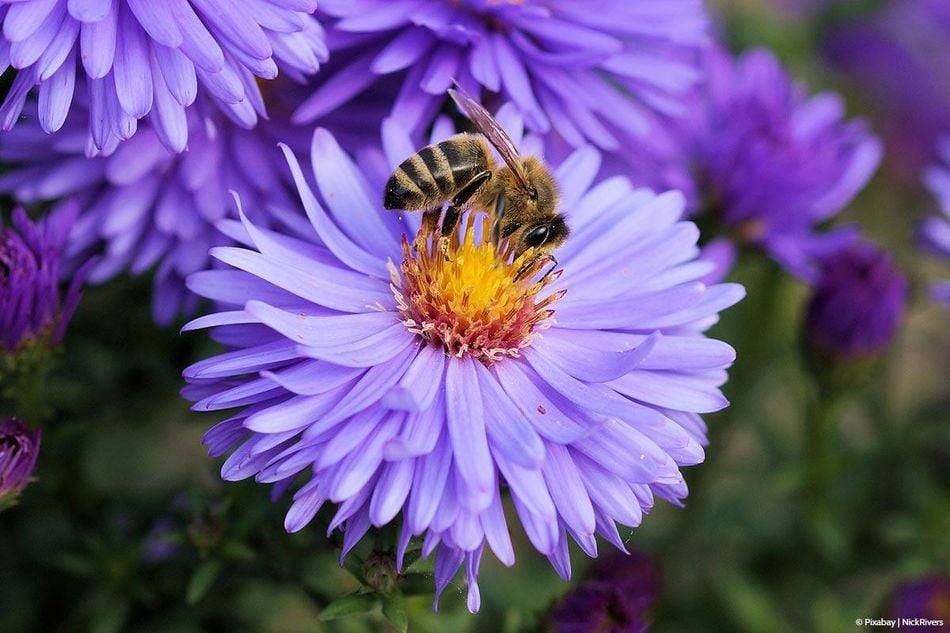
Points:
[(469, 296)]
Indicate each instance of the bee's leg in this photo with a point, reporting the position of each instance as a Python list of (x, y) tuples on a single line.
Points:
[(430, 219), (454, 212), (499, 213), (550, 270), (465, 194), (530, 264)]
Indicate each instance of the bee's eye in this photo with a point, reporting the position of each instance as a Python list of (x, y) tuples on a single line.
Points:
[(537, 236)]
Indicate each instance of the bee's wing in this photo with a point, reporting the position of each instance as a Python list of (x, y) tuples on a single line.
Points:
[(487, 125)]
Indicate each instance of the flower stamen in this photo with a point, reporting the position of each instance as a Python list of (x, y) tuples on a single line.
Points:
[(470, 296)]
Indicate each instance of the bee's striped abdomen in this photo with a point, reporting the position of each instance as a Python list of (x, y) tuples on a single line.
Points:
[(436, 173)]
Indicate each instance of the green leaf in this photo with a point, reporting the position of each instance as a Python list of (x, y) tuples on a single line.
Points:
[(420, 565), (395, 610), (110, 616), (201, 581), (416, 585), (349, 605), (237, 551), (75, 564), (354, 565), (411, 557), (751, 606)]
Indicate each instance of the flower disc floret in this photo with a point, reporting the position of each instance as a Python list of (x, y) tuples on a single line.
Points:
[(469, 296)]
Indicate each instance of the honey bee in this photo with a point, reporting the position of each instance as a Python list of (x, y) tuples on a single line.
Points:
[(521, 195)]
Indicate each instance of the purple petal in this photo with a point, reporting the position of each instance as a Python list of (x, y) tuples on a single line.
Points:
[(304, 508), (546, 418), (419, 386), (508, 428), (420, 431), (90, 10), (178, 73), (372, 351), (243, 361), (593, 365), (133, 77), (496, 532), (312, 377), (466, 425), (391, 491), (158, 23), (56, 95), (567, 490), (97, 41), (346, 291), (316, 330), (428, 483), (330, 234)]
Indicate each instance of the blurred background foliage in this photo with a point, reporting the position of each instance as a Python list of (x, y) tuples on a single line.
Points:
[(130, 528)]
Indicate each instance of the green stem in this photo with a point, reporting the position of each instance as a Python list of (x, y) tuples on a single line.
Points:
[(819, 450), (756, 348), (821, 465)]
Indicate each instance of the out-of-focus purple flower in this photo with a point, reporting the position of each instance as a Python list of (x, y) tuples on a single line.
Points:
[(614, 599), (857, 303), (137, 58), (144, 206), (924, 599), (19, 448), (935, 232), (721, 253), (32, 308), (591, 72), (404, 381), (900, 57), (770, 162), (159, 544)]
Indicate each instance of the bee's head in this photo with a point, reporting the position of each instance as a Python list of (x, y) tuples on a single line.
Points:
[(542, 191), (545, 236)]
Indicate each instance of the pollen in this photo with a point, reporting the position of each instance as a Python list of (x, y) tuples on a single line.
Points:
[(468, 296)]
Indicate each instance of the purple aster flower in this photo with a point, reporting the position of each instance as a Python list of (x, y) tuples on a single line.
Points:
[(857, 303), (592, 72), (409, 380), (769, 162), (145, 206), (136, 58), (935, 232), (900, 58), (923, 599), (19, 448), (614, 599), (32, 309)]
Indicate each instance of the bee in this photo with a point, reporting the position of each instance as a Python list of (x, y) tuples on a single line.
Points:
[(521, 195)]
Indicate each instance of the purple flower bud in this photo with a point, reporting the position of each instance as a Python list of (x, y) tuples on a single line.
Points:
[(615, 599), (31, 307), (923, 599), (857, 303), (19, 447)]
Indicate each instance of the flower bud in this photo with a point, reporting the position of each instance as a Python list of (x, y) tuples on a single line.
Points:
[(857, 303), (31, 307), (616, 597), (19, 447), (927, 598)]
